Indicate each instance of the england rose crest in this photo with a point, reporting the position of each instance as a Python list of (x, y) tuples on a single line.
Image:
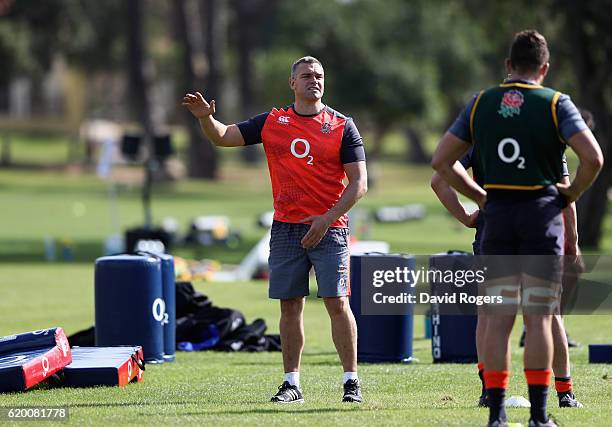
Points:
[(511, 103)]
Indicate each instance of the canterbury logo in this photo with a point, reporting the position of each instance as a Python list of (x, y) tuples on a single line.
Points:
[(283, 120)]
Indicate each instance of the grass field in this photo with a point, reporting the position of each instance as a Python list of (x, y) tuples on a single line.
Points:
[(233, 389)]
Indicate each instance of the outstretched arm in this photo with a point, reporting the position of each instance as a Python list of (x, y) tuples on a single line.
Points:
[(357, 175), (448, 197), (221, 135)]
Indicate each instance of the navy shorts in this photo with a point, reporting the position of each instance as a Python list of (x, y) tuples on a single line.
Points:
[(524, 224), (290, 263), (524, 235)]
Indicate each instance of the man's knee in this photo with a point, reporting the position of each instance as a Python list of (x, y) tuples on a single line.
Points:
[(499, 324), (292, 307), (337, 306), (536, 322)]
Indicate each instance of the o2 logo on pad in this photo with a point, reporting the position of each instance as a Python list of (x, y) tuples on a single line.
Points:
[(159, 311), (45, 365), (300, 148)]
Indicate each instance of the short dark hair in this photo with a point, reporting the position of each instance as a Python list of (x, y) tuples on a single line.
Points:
[(304, 60), (529, 51)]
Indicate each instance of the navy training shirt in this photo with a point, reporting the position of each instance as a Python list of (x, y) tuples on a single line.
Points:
[(569, 118)]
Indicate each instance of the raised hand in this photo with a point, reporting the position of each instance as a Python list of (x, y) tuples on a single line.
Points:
[(198, 106)]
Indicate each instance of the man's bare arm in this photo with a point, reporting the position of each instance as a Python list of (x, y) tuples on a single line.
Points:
[(589, 154), (357, 175), (449, 150), (221, 135), (449, 199), (570, 224)]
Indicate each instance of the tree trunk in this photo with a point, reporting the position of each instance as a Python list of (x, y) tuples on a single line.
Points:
[(592, 76), (247, 11), (374, 153), (139, 96), (416, 150), (591, 211), (202, 159), (5, 152), (375, 147)]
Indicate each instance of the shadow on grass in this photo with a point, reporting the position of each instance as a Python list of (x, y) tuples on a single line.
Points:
[(262, 411), (128, 404)]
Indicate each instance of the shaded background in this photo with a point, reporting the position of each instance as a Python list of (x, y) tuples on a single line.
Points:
[(76, 75), (402, 69)]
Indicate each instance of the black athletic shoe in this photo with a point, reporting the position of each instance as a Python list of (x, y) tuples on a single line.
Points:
[(568, 400), (352, 392), (288, 393), (498, 423), (483, 402), (534, 423)]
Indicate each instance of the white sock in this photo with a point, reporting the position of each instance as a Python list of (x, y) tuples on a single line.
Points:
[(293, 378), (350, 376)]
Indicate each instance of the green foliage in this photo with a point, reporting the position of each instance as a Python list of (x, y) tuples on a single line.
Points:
[(392, 64), (92, 34)]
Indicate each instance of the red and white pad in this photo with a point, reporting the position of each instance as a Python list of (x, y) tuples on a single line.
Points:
[(104, 366), (30, 358)]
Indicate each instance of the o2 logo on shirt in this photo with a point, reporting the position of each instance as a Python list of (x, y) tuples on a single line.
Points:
[(300, 148), (514, 156)]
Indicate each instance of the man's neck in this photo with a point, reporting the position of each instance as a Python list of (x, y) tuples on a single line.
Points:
[(307, 108), (531, 79)]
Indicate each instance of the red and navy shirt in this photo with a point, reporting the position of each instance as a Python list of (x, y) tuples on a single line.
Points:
[(306, 157)]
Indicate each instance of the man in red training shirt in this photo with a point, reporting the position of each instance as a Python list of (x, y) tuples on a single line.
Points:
[(310, 149)]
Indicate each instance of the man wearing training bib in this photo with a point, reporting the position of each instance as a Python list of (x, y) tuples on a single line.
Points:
[(521, 130)]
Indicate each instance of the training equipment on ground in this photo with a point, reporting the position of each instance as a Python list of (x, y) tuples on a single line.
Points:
[(30, 358), (600, 353), (104, 366), (517, 402), (399, 213), (381, 337), (169, 296), (129, 304), (168, 278), (453, 335)]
